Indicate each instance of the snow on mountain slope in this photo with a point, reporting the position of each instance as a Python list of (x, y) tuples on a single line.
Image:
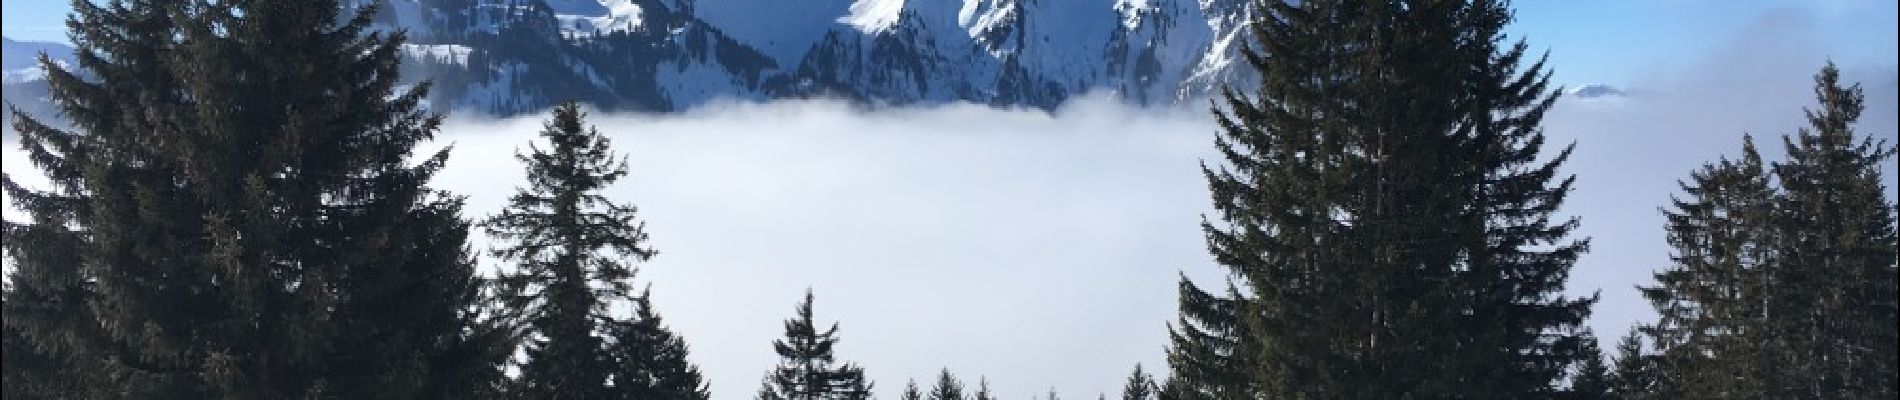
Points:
[(513, 56), (589, 16), (17, 55), (783, 30), (874, 16)]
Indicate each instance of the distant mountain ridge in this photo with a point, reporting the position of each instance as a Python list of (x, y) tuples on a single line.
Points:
[(668, 55), (507, 57)]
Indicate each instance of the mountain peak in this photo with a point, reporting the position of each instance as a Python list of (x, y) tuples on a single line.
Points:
[(1593, 91)]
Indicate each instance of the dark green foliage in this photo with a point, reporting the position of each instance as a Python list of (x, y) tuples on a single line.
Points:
[(1209, 347), (1593, 377), (947, 387), (1388, 214), (807, 369), (1639, 376), (1835, 282), (983, 390), (1711, 315), (1140, 386), (649, 361), (236, 214), (1783, 282), (567, 241), (911, 392)]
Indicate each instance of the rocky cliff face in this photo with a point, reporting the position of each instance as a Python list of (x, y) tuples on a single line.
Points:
[(513, 56)]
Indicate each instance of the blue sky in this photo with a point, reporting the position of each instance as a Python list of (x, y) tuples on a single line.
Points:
[(1590, 41), (817, 194)]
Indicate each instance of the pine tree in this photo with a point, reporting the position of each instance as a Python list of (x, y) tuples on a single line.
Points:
[(49, 322), (807, 368), (911, 392), (983, 390), (1385, 204), (1783, 281), (242, 214), (567, 241), (1834, 289), (1593, 378), (1638, 375), (1140, 386), (1711, 329), (1209, 346), (649, 361), (947, 387)]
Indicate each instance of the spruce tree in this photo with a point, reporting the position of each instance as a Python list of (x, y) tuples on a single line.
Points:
[(1384, 203), (983, 390), (1140, 386), (1593, 378), (807, 368), (1783, 280), (947, 387), (1209, 347), (649, 361), (242, 216), (1834, 287), (1711, 330), (568, 243), (49, 322), (911, 392), (1639, 375)]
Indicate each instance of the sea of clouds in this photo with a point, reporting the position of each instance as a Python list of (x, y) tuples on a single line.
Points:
[(1040, 250)]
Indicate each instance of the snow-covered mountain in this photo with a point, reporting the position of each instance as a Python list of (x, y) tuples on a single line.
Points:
[(507, 56), (513, 56), (22, 82)]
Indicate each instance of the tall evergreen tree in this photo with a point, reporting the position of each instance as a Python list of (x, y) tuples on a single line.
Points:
[(1140, 386), (1711, 328), (1783, 281), (1386, 206), (1835, 285), (807, 368), (983, 390), (947, 387), (649, 361), (241, 214), (568, 242), (48, 320)]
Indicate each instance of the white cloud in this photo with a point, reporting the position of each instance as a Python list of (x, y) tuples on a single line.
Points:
[(1041, 250), (1037, 250)]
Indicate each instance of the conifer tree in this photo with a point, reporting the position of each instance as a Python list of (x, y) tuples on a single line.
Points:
[(1384, 203), (947, 387), (1711, 329), (807, 368), (1639, 375), (911, 392), (983, 390), (649, 361), (568, 242), (1140, 386), (1834, 287), (1783, 281), (241, 214), (1593, 378)]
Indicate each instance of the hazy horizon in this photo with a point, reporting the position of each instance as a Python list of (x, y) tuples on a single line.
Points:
[(1040, 250)]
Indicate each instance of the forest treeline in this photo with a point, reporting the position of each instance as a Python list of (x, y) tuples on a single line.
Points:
[(238, 210)]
